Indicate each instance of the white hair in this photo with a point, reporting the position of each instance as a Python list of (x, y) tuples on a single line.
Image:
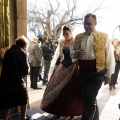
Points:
[(34, 38)]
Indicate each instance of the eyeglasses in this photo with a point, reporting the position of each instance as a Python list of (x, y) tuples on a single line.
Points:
[(88, 23)]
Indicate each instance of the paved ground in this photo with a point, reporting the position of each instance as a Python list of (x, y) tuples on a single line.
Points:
[(107, 102)]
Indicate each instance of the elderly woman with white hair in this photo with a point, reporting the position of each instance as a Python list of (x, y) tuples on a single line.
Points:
[(114, 76), (63, 94), (12, 89)]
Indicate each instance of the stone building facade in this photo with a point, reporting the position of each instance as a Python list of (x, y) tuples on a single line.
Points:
[(13, 22)]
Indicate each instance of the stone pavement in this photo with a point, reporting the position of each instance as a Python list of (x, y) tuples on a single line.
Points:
[(107, 102)]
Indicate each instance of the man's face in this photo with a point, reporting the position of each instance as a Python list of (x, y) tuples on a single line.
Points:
[(89, 25)]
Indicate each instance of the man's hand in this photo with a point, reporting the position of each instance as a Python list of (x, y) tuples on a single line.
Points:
[(107, 80), (80, 52)]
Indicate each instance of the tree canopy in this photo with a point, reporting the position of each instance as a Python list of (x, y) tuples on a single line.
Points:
[(47, 19)]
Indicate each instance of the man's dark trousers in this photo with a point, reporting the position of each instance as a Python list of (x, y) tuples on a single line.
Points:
[(46, 71), (91, 82), (34, 73), (114, 76)]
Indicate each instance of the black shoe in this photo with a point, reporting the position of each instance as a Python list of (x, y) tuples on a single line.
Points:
[(27, 118), (37, 88), (40, 78)]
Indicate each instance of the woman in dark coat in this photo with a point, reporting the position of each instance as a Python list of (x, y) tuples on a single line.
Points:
[(13, 92)]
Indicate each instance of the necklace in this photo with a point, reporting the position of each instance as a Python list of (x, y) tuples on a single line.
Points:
[(68, 44)]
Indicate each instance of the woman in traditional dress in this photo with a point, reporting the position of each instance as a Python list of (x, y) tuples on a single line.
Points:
[(63, 94)]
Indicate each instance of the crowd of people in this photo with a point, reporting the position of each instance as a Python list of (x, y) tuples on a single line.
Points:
[(39, 56), (81, 65)]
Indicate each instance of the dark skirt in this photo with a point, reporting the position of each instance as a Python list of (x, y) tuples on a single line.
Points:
[(70, 100), (14, 99)]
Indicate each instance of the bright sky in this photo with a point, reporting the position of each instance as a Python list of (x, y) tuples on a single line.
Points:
[(108, 18)]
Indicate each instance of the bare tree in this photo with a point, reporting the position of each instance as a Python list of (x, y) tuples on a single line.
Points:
[(50, 19)]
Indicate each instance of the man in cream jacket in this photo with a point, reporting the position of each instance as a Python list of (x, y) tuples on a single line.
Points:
[(96, 64)]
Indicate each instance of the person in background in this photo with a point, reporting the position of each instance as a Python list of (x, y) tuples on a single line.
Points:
[(63, 95), (40, 76), (12, 87), (114, 77), (35, 57), (47, 57), (40, 67), (95, 56)]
